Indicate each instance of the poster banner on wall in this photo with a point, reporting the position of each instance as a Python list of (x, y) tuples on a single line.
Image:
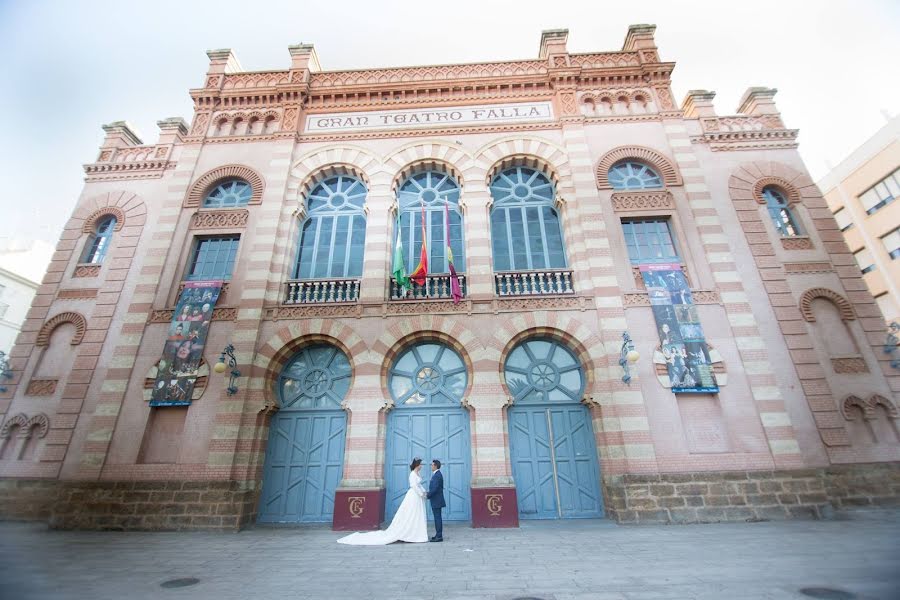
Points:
[(177, 370), (680, 334)]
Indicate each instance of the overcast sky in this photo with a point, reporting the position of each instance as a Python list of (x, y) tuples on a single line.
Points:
[(68, 67)]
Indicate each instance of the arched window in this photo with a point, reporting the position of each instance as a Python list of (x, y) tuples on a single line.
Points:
[(333, 236), (436, 192), (631, 175), (231, 193), (317, 376), (780, 212), (542, 370), (428, 373), (98, 243), (525, 228)]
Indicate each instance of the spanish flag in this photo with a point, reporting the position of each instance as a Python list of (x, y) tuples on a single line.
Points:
[(421, 271)]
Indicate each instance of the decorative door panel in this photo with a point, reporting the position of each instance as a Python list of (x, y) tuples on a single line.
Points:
[(304, 463), (532, 463), (576, 462)]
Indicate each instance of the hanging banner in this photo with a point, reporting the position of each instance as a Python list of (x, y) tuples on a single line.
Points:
[(680, 334), (177, 371)]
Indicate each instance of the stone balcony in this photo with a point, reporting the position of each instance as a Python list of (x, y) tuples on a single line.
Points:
[(321, 291), (542, 282), (437, 287)]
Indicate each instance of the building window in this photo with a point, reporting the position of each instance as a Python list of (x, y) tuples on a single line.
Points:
[(316, 377), (99, 242), (864, 260), (438, 194), (891, 243), (780, 212), (428, 373), (213, 257), (630, 175), (333, 236), (543, 370), (843, 218), (650, 241), (231, 193), (882, 193), (525, 227)]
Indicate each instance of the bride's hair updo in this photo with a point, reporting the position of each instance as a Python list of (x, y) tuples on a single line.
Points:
[(415, 463)]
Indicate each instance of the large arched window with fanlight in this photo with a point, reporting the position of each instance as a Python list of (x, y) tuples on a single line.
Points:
[(99, 241), (525, 226), (333, 236), (230, 193), (633, 175), (432, 196)]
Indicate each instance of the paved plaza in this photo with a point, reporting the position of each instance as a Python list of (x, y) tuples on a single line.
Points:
[(570, 560)]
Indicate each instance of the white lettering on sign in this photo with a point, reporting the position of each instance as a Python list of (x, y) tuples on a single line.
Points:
[(463, 115)]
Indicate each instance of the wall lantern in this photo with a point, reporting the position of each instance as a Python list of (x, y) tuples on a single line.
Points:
[(5, 373), (628, 356), (221, 367)]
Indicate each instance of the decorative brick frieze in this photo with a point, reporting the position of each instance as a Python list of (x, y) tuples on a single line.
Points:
[(77, 294), (208, 180), (220, 313), (41, 387), (849, 365), (220, 219), (797, 242), (627, 201), (86, 270), (698, 296), (808, 267)]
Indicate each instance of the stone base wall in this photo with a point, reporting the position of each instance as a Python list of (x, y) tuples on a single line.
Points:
[(750, 495), (130, 505)]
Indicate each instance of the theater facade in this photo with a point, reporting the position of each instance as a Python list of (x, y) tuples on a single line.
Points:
[(630, 308)]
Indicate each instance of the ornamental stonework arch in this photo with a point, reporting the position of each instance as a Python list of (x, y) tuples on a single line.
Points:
[(658, 161), (202, 186), (20, 420), (525, 151), (124, 205), (278, 350), (424, 336), (428, 155), (311, 168), (90, 224), (851, 402), (889, 407), (748, 181), (76, 319), (843, 306)]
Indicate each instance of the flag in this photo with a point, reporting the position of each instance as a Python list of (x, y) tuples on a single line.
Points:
[(421, 271), (455, 290), (399, 270)]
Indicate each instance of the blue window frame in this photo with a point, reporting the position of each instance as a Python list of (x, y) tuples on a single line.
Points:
[(317, 376), (98, 244), (434, 191), (780, 213), (632, 175), (231, 193), (542, 370), (882, 193), (333, 236), (525, 227), (213, 257), (650, 241), (428, 373)]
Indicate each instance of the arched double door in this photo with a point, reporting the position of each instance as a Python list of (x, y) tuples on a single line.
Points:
[(427, 383), (305, 453), (551, 440)]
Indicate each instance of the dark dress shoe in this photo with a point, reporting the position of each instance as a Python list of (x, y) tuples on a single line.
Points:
[(436, 539)]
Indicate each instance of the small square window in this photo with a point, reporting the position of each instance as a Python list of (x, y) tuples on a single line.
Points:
[(213, 257), (650, 241)]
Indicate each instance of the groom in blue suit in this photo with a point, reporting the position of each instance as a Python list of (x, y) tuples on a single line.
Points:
[(436, 496)]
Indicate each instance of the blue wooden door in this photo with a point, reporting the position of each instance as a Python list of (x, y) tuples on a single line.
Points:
[(554, 462), (429, 433), (304, 462)]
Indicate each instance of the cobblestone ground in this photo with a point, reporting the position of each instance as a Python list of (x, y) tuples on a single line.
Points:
[(571, 560)]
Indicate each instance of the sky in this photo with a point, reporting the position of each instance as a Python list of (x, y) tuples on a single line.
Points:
[(70, 66)]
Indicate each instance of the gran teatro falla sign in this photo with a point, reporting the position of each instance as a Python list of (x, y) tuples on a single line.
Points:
[(489, 114)]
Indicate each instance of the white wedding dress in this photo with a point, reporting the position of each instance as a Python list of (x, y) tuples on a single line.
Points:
[(410, 524)]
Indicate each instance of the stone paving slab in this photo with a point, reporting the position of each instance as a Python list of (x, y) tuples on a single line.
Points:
[(569, 560)]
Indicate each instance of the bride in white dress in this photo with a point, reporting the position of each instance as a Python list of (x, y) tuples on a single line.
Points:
[(410, 524)]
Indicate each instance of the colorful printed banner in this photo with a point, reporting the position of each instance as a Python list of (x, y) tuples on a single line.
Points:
[(177, 371), (680, 333)]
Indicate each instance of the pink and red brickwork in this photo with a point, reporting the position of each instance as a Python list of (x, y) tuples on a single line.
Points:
[(794, 432)]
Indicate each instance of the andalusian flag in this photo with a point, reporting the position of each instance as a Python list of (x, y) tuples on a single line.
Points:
[(399, 267), (455, 290), (421, 272)]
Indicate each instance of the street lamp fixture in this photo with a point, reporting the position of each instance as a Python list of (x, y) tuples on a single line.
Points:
[(627, 357), (222, 366)]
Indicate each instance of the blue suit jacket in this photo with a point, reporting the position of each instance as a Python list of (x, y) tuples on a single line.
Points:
[(436, 490)]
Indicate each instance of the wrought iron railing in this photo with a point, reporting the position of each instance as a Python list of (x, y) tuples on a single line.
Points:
[(321, 291), (533, 283), (437, 287)]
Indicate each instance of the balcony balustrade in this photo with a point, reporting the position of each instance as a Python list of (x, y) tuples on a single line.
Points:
[(544, 282), (321, 291), (437, 287)]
